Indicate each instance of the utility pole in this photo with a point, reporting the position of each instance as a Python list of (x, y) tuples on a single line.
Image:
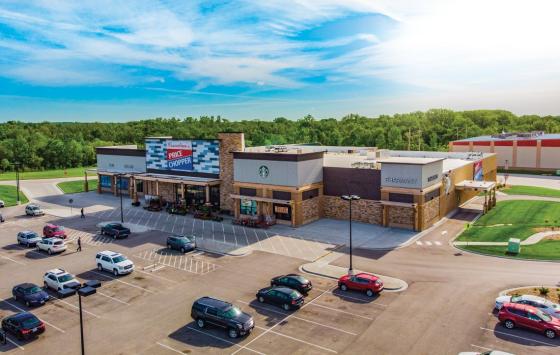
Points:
[(17, 165)]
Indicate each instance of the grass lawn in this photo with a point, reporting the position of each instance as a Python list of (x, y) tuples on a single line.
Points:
[(513, 219), (72, 187), (44, 174), (8, 195), (544, 250), (531, 190)]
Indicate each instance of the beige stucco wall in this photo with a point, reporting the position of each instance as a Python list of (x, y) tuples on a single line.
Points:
[(526, 157), (504, 153), (459, 148), (550, 157)]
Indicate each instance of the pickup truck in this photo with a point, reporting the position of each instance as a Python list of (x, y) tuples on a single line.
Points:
[(115, 230)]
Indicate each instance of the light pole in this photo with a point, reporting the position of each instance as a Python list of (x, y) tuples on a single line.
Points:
[(350, 198), (83, 292), (17, 165)]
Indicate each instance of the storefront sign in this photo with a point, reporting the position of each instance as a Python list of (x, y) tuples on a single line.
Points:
[(281, 209), (433, 177), (179, 155), (263, 171), (478, 176), (401, 180)]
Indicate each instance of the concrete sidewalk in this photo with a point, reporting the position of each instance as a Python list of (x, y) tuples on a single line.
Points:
[(322, 267), (534, 239)]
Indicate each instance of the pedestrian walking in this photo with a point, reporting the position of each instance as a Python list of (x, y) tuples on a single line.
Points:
[(79, 244), (82, 215)]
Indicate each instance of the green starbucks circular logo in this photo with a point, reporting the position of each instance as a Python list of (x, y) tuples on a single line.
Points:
[(263, 171)]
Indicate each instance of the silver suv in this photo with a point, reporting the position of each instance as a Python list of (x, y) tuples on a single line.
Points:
[(28, 238)]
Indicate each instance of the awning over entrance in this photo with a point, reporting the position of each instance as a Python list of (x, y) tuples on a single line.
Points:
[(261, 199), (475, 185), (175, 179)]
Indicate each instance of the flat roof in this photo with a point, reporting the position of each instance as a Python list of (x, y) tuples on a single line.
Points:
[(410, 160), (511, 137)]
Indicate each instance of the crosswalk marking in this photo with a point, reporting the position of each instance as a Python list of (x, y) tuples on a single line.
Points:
[(428, 243), (437, 243), (419, 243)]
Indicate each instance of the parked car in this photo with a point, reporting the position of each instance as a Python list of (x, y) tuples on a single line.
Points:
[(28, 238), (114, 262), (2, 204), (550, 308), (53, 231), (183, 243), (520, 315), (281, 296), (2, 218), (51, 245), (23, 325), (58, 279), (294, 281), (30, 294), (115, 230), (34, 210), (207, 310), (368, 283)]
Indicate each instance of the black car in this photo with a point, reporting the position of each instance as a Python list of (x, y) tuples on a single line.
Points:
[(30, 294), (1, 218), (115, 230), (207, 310), (293, 281), (183, 243), (23, 325), (281, 296)]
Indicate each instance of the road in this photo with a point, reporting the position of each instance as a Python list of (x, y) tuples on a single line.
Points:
[(531, 180)]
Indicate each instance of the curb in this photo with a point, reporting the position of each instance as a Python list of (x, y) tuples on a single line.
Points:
[(505, 257), (503, 292), (226, 254)]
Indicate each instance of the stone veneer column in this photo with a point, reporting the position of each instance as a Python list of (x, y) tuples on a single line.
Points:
[(229, 143)]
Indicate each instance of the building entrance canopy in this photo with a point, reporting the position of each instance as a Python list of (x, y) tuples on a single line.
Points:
[(475, 185), (176, 179)]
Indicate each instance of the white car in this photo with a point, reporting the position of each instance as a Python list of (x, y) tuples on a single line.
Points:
[(28, 238), (51, 245), (34, 210), (2, 204), (58, 279), (548, 307), (114, 262)]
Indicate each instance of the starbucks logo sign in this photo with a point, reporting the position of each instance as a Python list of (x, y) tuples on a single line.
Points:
[(263, 171)]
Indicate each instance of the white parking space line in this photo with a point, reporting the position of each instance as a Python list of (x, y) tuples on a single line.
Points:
[(15, 344), (113, 298), (296, 339), (12, 260), (241, 347), (438, 243), (44, 321), (124, 282), (429, 243), (296, 317), (170, 348), (418, 242), (341, 311), (519, 337), (76, 307), (183, 227), (481, 347)]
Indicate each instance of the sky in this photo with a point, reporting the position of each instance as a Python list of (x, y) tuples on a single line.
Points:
[(126, 60)]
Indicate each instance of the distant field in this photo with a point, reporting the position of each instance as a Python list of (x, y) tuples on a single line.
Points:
[(45, 174), (531, 190), (72, 187), (8, 195)]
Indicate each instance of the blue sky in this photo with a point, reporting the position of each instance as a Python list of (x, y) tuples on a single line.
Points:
[(107, 61)]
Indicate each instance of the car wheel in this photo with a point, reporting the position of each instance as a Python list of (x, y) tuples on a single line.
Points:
[(370, 293), (49, 251), (233, 333), (183, 250), (509, 324), (45, 286), (200, 323), (550, 334), (286, 307), (343, 287), (99, 267), (27, 304), (261, 299), (115, 272)]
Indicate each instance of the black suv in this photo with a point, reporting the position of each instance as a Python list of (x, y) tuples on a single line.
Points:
[(293, 281), (223, 314)]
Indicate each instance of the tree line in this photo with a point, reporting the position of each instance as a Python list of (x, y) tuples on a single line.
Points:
[(52, 145)]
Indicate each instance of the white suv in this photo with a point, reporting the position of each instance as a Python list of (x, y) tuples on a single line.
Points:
[(34, 210), (58, 279), (117, 263), (51, 245)]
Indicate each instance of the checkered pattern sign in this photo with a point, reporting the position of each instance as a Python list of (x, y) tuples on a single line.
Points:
[(205, 155)]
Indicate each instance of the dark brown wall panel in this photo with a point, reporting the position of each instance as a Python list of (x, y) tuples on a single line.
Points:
[(365, 183)]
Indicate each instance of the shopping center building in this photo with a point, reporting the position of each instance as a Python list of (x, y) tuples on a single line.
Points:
[(298, 184)]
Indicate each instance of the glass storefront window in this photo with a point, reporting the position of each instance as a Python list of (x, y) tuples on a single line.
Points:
[(283, 212), (122, 183), (248, 207), (139, 186), (105, 181), (195, 195), (215, 197)]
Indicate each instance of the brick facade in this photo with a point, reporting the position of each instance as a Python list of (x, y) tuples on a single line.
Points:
[(430, 212), (310, 209), (366, 211), (398, 216), (229, 142)]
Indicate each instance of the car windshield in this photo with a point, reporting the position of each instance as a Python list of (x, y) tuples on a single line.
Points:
[(58, 229), (544, 316), (60, 242), (31, 322), (32, 236), (119, 259), (294, 294), (32, 290), (232, 312), (65, 278), (35, 208), (186, 238), (300, 279), (515, 299)]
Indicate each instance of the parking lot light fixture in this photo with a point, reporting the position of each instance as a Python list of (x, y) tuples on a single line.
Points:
[(350, 198), (83, 292)]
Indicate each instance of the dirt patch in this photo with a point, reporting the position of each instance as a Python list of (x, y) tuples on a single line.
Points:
[(546, 229), (552, 237), (553, 292)]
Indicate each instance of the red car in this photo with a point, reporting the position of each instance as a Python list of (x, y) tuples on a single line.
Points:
[(520, 315), (368, 283), (52, 230)]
